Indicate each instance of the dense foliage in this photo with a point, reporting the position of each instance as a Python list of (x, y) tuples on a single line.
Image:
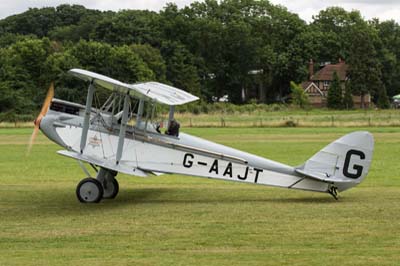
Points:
[(299, 96), (209, 48), (335, 99)]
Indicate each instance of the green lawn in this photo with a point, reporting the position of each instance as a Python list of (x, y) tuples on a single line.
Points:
[(293, 117), (178, 220)]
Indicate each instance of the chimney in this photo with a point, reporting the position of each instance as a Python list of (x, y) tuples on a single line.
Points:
[(310, 69)]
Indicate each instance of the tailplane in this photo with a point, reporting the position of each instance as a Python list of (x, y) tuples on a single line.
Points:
[(344, 163)]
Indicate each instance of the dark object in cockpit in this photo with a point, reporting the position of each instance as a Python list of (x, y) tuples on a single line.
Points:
[(173, 128)]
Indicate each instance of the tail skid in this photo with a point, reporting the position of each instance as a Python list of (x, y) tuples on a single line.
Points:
[(333, 191), (343, 164)]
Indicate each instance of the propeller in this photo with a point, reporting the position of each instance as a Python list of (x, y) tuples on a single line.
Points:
[(43, 112)]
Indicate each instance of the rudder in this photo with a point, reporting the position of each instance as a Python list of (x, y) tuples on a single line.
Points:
[(344, 162)]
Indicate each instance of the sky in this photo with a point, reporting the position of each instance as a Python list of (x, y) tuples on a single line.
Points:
[(382, 9)]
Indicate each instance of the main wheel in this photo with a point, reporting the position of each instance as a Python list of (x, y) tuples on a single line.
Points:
[(111, 189), (89, 190)]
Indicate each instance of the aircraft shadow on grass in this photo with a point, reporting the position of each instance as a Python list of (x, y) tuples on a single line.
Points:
[(139, 196)]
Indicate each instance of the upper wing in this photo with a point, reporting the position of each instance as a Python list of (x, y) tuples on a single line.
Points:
[(98, 79), (163, 93), (155, 91)]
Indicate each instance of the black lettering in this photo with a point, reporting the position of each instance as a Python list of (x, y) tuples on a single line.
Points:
[(356, 167), (245, 174), (214, 167), (228, 170), (187, 163), (257, 172)]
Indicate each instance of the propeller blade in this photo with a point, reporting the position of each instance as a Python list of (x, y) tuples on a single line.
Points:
[(47, 101), (32, 139), (43, 112)]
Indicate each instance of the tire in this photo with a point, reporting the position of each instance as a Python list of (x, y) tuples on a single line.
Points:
[(89, 190), (111, 191)]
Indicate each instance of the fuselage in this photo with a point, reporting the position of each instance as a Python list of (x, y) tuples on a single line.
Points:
[(148, 151)]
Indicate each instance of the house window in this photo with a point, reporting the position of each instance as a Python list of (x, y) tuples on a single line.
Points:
[(326, 83)]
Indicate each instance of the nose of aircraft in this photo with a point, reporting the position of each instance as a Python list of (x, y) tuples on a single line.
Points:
[(47, 126)]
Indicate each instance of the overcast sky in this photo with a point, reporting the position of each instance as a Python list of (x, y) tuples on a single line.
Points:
[(382, 9)]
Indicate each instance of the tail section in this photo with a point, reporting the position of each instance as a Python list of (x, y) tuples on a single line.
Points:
[(344, 163)]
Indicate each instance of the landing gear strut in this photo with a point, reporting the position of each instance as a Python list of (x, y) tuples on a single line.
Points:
[(109, 183), (104, 186)]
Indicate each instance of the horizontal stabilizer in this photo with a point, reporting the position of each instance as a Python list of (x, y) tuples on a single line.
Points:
[(104, 163), (324, 178)]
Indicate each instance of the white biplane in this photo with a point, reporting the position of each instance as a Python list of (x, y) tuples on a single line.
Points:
[(122, 136)]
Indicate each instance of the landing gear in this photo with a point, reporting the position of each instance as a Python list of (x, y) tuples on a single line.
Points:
[(109, 183), (104, 186), (89, 190), (111, 189)]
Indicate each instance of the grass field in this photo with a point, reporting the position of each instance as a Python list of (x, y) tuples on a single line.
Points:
[(290, 117), (178, 220), (293, 117)]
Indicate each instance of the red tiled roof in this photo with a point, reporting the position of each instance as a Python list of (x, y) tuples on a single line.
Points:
[(326, 73)]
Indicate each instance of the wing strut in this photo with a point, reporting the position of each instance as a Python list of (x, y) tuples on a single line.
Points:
[(122, 129), (171, 114), (139, 112), (86, 120)]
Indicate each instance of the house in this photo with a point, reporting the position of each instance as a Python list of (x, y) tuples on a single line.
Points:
[(318, 84)]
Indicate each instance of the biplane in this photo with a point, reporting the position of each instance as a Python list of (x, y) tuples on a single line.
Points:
[(123, 136)]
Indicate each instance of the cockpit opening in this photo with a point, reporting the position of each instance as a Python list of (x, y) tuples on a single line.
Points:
[(66, 107)]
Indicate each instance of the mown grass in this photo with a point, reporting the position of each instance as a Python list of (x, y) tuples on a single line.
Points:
[(237, 116), (292, 118), (179, 220)]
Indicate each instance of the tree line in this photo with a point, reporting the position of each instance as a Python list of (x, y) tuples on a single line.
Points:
[(209, 48)]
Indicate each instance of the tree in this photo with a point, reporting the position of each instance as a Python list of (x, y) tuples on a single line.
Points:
[(181, 71), (34, 21), (334, 99), (383, 100), (68, 87), (208, 48), (119, 62), (127, 27), (76, 23), (7, 98), (389, 54), (299, 97), (334, 26), (22, 66), (347, 97), (364, 68), (152, 57)]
